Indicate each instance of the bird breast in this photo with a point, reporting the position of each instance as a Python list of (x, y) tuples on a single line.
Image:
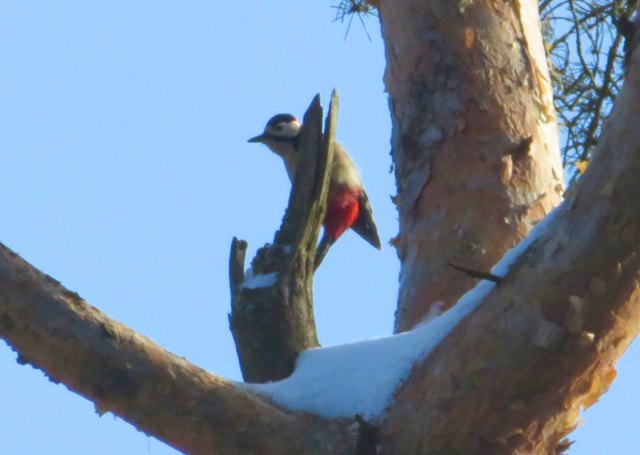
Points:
[(344, 172)]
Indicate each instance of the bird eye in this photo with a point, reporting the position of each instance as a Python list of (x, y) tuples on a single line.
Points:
[(279, 127)]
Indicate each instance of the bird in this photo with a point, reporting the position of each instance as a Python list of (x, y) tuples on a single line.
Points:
[(348, 205)]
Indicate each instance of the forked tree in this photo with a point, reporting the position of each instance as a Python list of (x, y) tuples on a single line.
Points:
[(477, 166)]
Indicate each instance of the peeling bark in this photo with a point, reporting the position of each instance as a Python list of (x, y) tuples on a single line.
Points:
[(546, 340), (474, 140), (512, 377)]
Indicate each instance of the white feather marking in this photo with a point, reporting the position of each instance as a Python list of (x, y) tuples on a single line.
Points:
[(284, 129)]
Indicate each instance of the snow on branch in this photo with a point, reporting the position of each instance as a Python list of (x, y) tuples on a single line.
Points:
[(362, 377)]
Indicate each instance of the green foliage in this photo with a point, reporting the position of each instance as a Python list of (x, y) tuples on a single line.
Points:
[(585, 42), (347, 9), (585, 47)]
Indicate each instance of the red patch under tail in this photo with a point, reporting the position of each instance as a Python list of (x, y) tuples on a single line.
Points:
[(343, 208)]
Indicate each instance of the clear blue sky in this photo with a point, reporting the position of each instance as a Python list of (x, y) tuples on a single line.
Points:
[(126, 173)]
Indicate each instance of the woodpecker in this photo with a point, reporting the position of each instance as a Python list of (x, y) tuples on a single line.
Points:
[(347, 202)]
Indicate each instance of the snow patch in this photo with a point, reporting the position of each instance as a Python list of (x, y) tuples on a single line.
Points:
[(361, 377), (258, 281)]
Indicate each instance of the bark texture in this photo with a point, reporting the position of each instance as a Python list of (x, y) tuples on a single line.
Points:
[(272, 320), (546, 340), (474, 140), (511, 378), (124, 373)]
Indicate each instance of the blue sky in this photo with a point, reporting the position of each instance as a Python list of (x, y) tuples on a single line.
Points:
[(126, 173)]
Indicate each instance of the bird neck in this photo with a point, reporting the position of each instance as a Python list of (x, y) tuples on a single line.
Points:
[(287, 151)]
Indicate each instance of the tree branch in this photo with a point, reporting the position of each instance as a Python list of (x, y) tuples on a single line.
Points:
[(545, 341), (122, 372), (272, 309)]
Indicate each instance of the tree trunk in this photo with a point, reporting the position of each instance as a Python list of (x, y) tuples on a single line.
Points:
[(474, 142), (514, 376)]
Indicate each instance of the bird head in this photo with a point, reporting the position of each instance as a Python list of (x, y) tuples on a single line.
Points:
[(281, 135)]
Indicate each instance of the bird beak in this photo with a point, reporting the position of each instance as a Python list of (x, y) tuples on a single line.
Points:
[(259, 138)]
